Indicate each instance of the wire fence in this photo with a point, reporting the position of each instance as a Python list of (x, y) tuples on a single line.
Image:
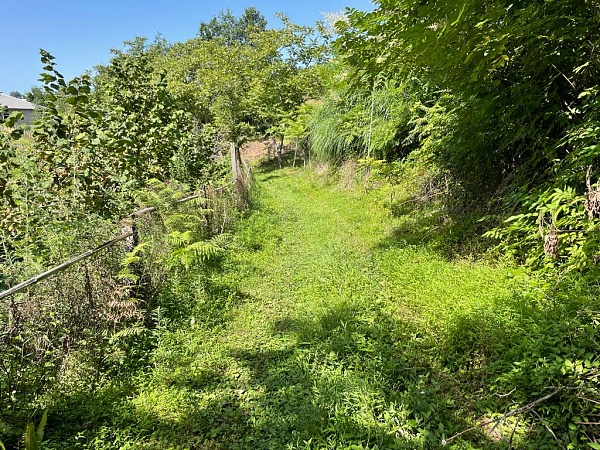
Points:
[(45, 322)]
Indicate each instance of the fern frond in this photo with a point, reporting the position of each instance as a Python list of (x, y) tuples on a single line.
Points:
[(181, 219), (125, 275), (179, 238), (30, 438), (39, 433), (130, 259), (221, 240), (200, 250), (126, 333), (140, 248)]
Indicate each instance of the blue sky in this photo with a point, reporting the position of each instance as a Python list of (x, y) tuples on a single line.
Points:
[(81, 33)]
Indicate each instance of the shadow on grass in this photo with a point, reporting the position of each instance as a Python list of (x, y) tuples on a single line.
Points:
[(358, 376), (199, 293), (519, 351), (351, 376), (271, 176), (371, 376), (449, 230), (268, 165), (116, 418)]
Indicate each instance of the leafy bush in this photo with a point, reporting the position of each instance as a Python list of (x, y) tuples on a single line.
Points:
[(95, 144), (515, 116)]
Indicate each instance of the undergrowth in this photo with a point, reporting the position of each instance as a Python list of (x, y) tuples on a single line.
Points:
[(336, 320)]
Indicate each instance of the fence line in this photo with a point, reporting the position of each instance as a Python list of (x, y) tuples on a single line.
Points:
[(42, 276), (150, 209), (61, 267)]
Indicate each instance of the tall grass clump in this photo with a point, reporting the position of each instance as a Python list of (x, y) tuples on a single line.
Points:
[(326, 138), (364, 120)]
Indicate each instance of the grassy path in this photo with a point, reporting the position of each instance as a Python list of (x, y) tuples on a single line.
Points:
[(330, 335), (320, 330)]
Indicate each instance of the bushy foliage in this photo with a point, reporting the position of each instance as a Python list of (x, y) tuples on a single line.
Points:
[(507, 108), (513, 117), (242, 78), (230, 29), (96, 143)]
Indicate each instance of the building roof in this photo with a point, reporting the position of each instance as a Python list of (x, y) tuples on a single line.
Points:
[(15, 103)]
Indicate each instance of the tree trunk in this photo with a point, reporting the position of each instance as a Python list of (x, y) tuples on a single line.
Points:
[(279, 150), (296, 145)]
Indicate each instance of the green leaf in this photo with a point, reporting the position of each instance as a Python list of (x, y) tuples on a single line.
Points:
[(14, 118), (39, 434), (31, 442), (17, 133)]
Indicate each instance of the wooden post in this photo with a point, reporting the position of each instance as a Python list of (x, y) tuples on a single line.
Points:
[(238, 176), (278, 144), (295, 153), (235, 162)]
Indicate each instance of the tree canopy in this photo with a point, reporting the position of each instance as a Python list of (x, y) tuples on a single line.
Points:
[(229, 29)]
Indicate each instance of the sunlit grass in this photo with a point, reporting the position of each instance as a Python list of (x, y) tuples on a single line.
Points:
[(324, 328)]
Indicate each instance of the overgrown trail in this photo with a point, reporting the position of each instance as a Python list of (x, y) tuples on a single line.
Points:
[(322, 328), (324, 331)]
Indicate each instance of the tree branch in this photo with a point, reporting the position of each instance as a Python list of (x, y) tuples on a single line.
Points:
[(506, 415)]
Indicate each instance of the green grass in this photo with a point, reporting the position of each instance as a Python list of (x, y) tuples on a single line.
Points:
[(324, 328)]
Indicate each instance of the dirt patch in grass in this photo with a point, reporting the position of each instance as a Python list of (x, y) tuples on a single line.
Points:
[(255, 150)]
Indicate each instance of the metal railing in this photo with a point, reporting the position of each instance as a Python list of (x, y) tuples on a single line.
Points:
[(61, 267)]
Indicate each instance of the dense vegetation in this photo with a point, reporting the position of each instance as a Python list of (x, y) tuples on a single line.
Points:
[(502, 97), (447, 297)]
